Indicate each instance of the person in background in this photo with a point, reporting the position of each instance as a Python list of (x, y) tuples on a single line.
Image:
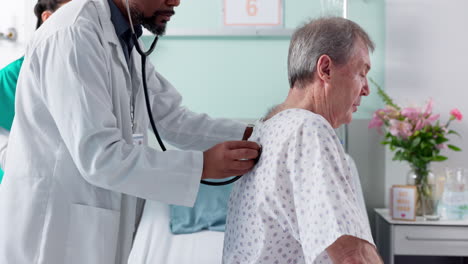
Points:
[(9, 77), (300, 204)]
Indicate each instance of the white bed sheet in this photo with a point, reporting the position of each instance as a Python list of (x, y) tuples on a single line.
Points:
[(155, 244)]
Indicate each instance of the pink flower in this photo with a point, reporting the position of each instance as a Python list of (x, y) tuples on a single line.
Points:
[(423, 122), (400, 128), (428, 110), (376, 121), (419, 125), (380, 113), (390, 112), (455, 113), (401, 124), (430, 120), (410, 112), (433, 118)]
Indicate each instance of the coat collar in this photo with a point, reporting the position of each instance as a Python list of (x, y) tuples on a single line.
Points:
[(122, 27), (109, 33), (104, 14)]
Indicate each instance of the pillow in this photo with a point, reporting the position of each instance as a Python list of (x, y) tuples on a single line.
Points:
[(208, 213)]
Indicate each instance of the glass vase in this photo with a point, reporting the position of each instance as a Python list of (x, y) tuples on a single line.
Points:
[(430, 197), (424, 180)]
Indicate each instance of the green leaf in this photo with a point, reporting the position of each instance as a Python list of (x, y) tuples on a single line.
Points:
[(415, 142), (439, 158), (453, 132), (454, 148), (426, 159), (441, 140), (387, 100)]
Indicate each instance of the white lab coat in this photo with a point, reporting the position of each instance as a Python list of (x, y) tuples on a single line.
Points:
[(3, 146), (72, 172)]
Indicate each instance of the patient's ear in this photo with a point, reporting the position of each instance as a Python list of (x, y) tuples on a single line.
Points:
[(323, 67)]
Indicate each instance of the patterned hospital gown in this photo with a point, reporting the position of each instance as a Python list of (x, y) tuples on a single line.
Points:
[(297, 200)]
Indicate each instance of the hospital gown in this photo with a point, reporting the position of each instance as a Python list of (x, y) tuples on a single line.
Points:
[(298, 199)]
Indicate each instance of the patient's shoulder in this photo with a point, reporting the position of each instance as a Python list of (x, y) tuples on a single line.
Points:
[(298, 118), (314, 127), (295, 128), (314, 122), (316, 138)]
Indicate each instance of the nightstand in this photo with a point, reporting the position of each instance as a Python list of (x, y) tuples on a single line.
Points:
[(419, 238)]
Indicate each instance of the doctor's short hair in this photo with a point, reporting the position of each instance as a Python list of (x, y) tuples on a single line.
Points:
[(46, 5), (333, 36)]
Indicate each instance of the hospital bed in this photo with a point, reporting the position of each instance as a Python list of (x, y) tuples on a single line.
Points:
[(155, 244)]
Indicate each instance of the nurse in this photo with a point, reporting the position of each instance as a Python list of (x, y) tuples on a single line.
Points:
[(74, 176), (9, 77)]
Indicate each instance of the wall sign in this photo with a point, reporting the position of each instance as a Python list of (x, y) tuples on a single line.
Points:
[(253, 13)]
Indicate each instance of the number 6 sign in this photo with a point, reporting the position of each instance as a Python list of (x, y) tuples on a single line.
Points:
[(253, 12)]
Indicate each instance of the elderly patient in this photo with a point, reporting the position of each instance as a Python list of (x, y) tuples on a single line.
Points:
[(299, 204)]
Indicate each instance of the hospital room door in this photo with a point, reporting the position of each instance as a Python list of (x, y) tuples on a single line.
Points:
[(19, 16)]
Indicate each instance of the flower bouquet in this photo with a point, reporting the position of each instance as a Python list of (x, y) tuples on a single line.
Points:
[(416, 135)]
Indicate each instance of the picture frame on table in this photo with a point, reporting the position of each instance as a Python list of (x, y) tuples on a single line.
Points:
[(403, 202)]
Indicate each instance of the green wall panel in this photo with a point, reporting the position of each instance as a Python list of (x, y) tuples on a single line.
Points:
[(370, 14), (242, 77), (226, 77)]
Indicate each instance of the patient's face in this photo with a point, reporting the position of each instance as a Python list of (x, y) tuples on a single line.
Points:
[(349, 84)]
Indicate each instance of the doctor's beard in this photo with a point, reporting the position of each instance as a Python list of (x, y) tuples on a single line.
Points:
[(150, 22)]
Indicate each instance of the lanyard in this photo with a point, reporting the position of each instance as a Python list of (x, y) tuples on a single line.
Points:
[(132, 94), (132, 110)]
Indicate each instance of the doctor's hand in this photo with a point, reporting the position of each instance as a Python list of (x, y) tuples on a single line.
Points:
[(230, 158)]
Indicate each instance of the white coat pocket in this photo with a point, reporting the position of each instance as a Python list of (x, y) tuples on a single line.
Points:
[(92, 235)]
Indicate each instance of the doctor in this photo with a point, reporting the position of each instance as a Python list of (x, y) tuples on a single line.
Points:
[(73, 172)]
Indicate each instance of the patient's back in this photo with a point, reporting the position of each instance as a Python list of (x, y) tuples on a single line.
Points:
[(298, 199)]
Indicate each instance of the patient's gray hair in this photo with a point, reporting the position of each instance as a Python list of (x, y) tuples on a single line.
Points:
[(333, 36)]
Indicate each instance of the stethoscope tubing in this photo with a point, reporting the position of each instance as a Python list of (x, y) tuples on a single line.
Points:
[(150, 114), (144, 55)]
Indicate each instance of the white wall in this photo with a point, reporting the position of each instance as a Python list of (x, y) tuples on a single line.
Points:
[(427, 56), (20, 15)]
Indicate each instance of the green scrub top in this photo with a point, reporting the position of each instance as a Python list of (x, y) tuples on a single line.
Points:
[(8, 80)]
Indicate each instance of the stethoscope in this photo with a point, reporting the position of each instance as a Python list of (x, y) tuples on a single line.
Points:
[(144, 56)]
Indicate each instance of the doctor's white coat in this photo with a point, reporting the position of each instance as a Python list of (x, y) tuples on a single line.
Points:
[(72, 174)]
